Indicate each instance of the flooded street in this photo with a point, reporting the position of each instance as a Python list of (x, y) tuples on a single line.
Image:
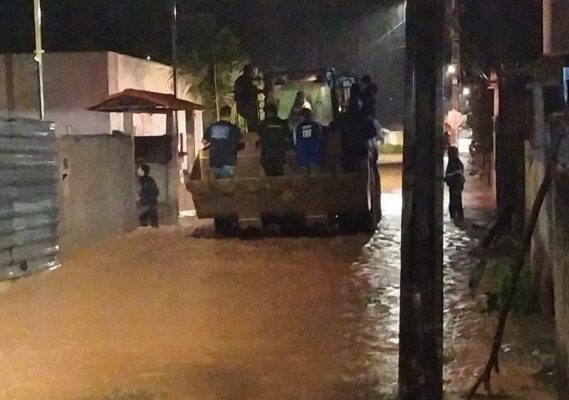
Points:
[(158, 314)]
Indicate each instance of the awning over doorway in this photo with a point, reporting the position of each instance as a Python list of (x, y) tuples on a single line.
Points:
[(143, 101)]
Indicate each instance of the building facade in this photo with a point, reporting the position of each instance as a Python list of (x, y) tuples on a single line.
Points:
[(73, 82)]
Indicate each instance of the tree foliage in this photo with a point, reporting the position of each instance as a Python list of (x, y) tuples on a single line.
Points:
[(209, 59), (480, 120)]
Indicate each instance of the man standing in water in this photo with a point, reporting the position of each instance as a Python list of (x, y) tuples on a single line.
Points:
[(246, 98), (148, 197), (454, 179), (223, 138)]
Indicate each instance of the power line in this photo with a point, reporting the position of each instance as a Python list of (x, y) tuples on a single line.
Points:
[(388, 33), (469, 50)]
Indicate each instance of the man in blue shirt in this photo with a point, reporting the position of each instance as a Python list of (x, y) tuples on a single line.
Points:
[(307, 140), (223, 139)]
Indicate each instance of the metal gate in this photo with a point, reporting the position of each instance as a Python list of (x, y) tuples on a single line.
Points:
[(28, 197)]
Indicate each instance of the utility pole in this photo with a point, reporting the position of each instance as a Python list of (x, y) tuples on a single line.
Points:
[(39, 56), (172, 174), (421, 323), (174, 27), (453, 17)]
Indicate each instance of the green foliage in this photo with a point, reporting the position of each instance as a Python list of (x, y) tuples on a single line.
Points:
[(449, 355), (496, 277), (477, 275), (206, 55), (386, 148), (525, 301)]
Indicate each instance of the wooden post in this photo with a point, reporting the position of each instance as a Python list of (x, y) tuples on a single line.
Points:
[(421, 327)]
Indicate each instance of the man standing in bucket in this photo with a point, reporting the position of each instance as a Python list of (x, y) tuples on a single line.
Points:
[(223, 139), (246, 98), (274, 138), (308, 143)]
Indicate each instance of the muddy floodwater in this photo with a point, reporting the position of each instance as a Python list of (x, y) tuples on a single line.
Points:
[(157, 314)]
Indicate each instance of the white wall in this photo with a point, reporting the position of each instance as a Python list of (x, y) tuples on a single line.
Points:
[(132, 73), (126, 72), (73, 81), (98, 196)]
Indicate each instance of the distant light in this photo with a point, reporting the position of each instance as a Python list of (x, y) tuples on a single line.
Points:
[(148, 58), (452, 69), (466, 91)]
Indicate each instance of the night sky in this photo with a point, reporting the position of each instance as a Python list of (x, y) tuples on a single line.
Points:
[(141, 27), (136, 27), (355, 36)]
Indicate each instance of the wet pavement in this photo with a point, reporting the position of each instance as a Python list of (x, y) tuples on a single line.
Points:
[(158, 314)]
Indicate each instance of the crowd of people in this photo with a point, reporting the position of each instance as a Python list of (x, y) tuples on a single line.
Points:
[(358, 127)]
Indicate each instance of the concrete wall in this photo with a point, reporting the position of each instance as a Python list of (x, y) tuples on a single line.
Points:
[(96, 203), (560, 253), (560, 258), (540, 254), (549, 254), (555, 27), (72, 81)]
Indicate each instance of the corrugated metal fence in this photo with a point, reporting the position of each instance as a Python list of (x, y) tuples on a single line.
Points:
[(28, 197)]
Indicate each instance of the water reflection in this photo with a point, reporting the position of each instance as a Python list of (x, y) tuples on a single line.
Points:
[(378, 268)]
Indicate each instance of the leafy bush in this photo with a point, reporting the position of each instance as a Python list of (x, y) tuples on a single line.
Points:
[(496, 277), (386, 148)]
